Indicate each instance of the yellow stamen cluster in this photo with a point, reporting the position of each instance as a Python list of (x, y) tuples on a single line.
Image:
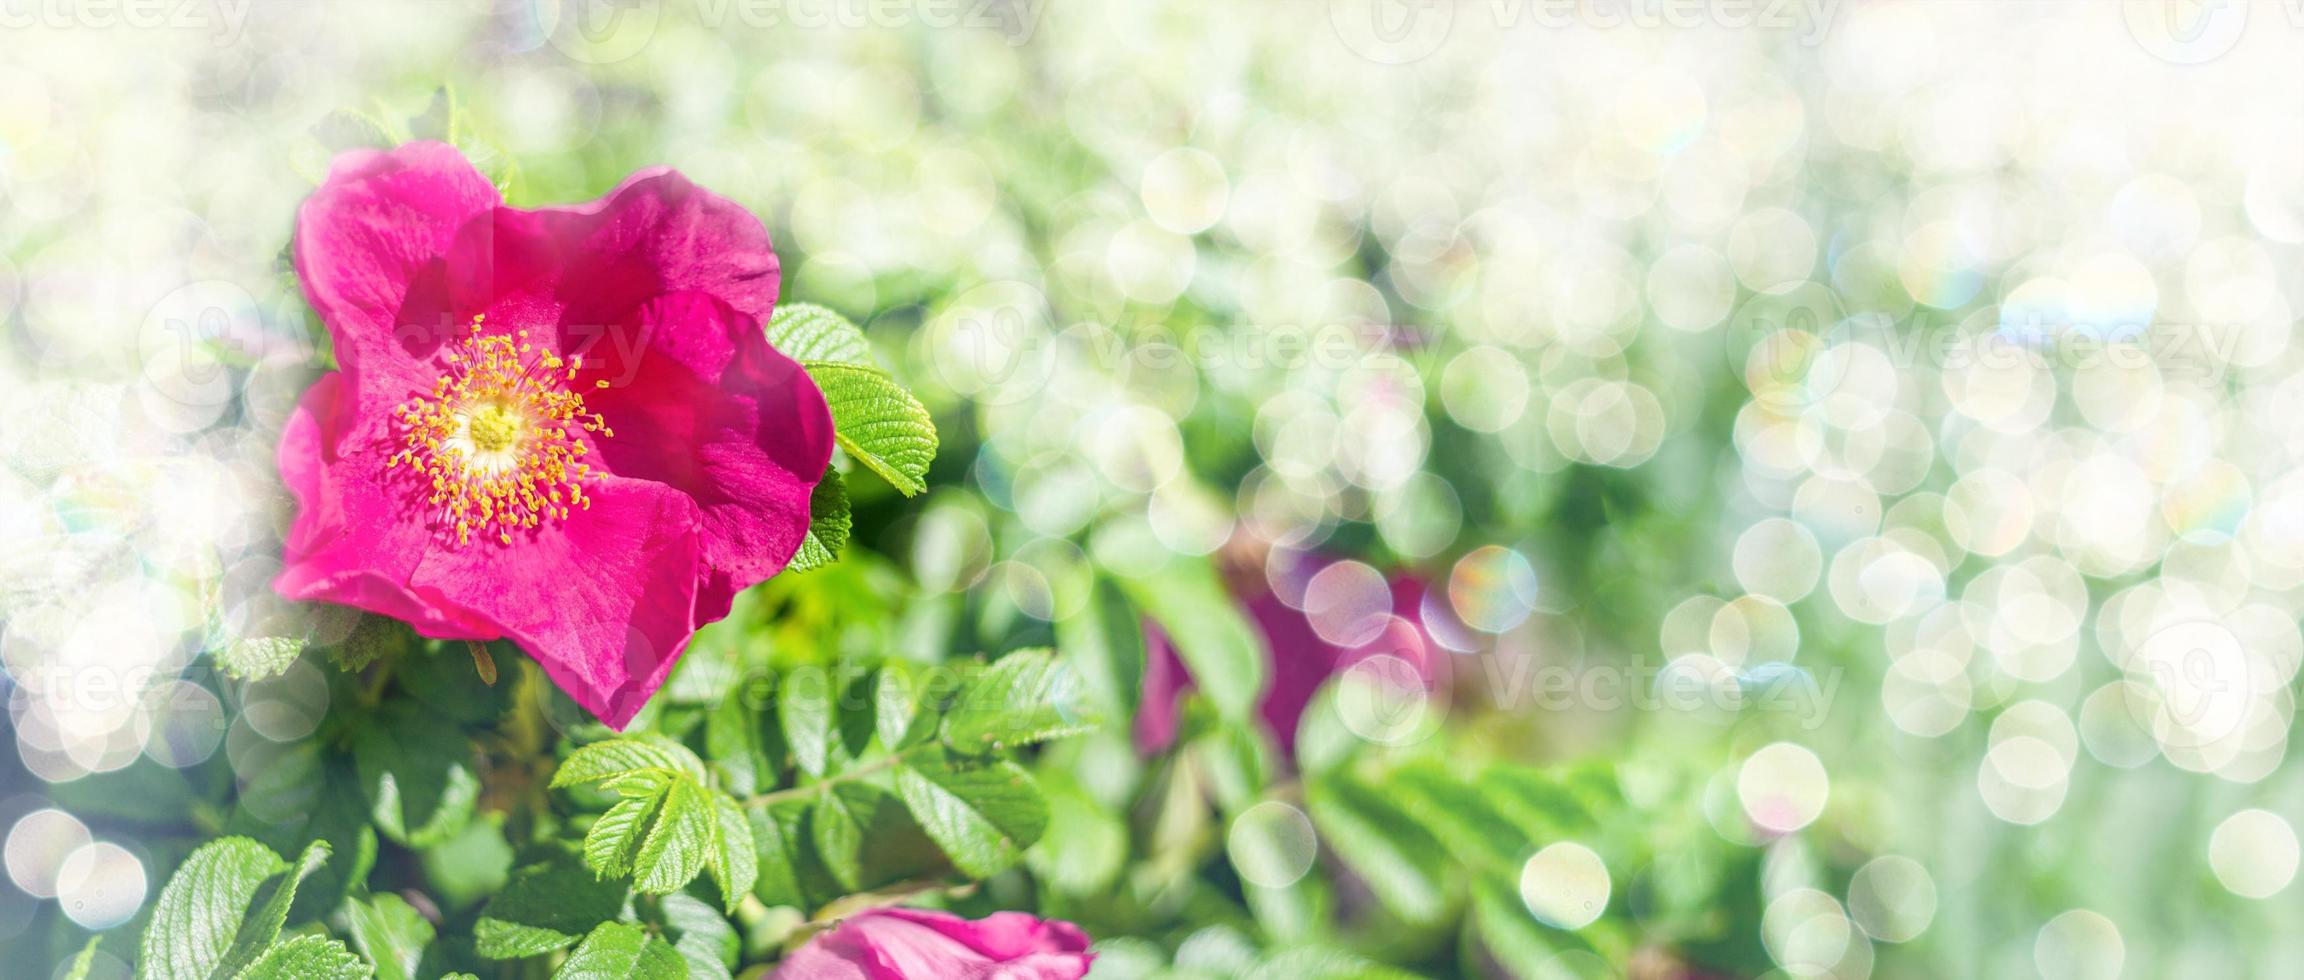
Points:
[(494, 438)]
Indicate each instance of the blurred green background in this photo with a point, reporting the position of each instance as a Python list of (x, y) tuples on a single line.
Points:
[(1833, 467)]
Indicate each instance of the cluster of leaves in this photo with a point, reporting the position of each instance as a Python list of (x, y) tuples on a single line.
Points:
[(832, 786)]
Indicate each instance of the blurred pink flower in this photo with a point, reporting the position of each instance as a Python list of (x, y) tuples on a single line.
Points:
[(559, 426), (918, 944), (1299, 661)]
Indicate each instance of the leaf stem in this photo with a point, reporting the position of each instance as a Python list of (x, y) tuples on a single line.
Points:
[(807, 790)]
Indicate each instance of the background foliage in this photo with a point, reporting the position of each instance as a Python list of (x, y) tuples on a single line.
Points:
[(1909, 387)]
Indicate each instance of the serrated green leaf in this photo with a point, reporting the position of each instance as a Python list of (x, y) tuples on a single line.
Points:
[(673, 851), (983, 814), (791, 872), (1401, 862), (1024, 697), (807, 332), (601, 761), (612, 844), (418, 775), (202, 906), (732, 861), (622, 951), (1211, 636), (390, 933), (371, 639), (1104, 641), (258, 657), (701, 936), (273, 900), (829, 521), (838, 828), (307, 958), (804, 708), (878, 423), (546, 906), (350, 129)]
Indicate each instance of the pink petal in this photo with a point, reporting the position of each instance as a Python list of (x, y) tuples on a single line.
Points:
[(918, 944), (587, 267), (605, 600), (370, 248), (354, 541), (748, 442)]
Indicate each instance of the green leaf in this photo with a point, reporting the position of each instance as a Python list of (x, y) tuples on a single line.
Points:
[(1209, 633), (285, 809), (807, 332), (732, 740), (983, 814), (258, 657), (666, 826), (673, 852), (1401, 862), (791, 872), (804, 707), (839, 824), (372, 638), (701, 936), (1459, 815), (732, 861), (307, 958), (84, 960), (896, 704), (1025, 697), (622, 756), (273, 901), (202, 906), (829, 521), (622, 951), (390, 933), (470, 866), (418, 775), (546, 906), (878, 423), (1104, 642)]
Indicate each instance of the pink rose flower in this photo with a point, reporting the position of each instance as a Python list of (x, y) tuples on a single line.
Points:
[(918, 944), (561, 426)]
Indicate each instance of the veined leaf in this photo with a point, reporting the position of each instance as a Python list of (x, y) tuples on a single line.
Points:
[(622, 951), (259, 657), (878, 423), (202, 906), (418, 776), (733, 862), (307, 958), (615, 757), (546, 906), (983, 814), (1025, 697), (672, 853), (84, 960), (701, 936), (808, 332), (391, 934), (273, 900), (829, 520), (791, 872)]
